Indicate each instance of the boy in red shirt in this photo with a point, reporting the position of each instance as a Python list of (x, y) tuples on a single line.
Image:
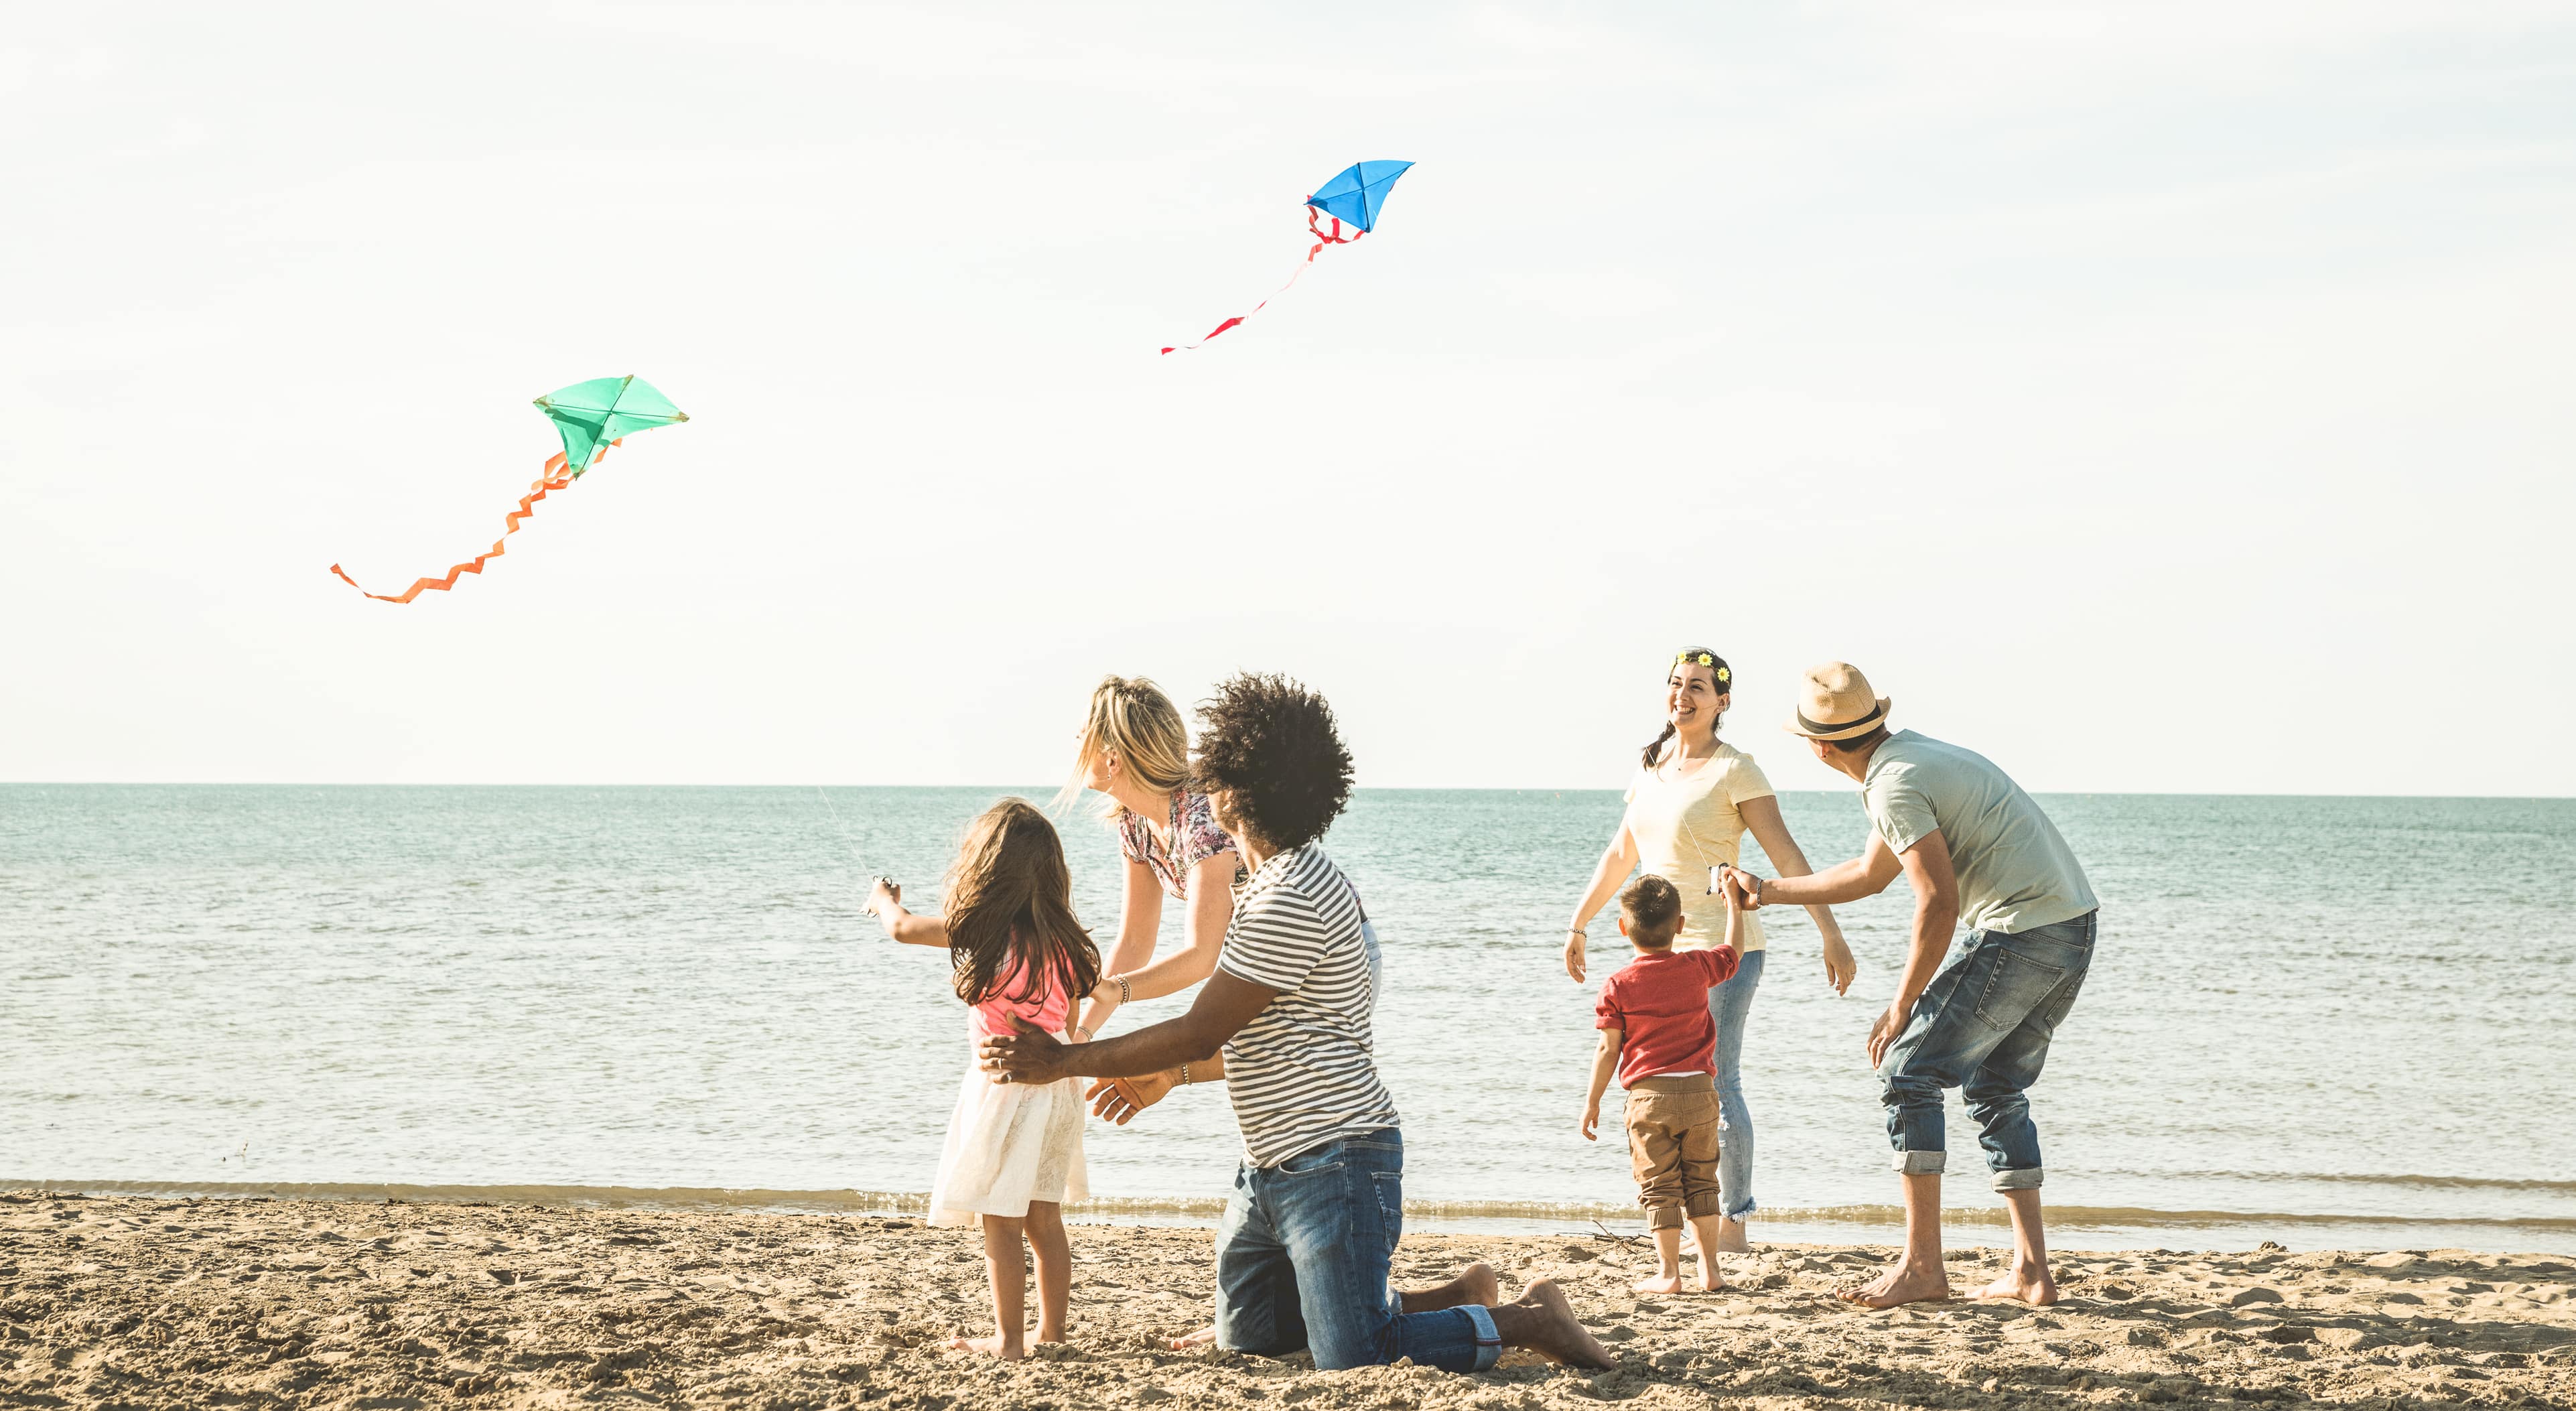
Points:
[(1657, 1034)]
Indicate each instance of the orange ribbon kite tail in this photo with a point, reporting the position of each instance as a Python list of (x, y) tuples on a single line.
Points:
[(554, 478)]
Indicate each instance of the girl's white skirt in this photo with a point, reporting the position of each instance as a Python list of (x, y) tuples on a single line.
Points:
[(1009, 1144)]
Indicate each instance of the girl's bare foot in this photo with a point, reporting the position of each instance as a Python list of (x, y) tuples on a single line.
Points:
[(2022, 1283), (1902, 1284), (1204, 1337), (1007, 1349), (1661, 1283), (1542, 1321)]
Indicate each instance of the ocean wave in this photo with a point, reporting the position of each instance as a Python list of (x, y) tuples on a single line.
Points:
[(2477, 1183), (859, 1202)]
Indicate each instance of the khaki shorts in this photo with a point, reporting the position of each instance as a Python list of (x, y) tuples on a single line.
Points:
[(1672, 1144)]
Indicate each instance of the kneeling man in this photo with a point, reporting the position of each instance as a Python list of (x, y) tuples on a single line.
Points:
[(1976, 849), (1318, 1203)]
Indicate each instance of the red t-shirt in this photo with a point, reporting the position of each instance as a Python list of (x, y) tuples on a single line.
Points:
[(1660, 1001)]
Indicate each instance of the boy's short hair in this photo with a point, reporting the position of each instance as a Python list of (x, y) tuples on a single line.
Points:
[(1653, 907)]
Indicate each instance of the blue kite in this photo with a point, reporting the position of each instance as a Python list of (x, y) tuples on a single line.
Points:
[(1351, 199)]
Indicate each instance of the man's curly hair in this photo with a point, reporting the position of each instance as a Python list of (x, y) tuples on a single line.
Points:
[(1270, 745)]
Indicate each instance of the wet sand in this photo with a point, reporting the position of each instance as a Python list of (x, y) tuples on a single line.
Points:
[(150, 1303)]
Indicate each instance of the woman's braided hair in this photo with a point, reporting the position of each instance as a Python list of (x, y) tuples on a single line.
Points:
[(1725, 683)]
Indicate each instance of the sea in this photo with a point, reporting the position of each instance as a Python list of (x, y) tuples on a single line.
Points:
[(2326, 1022)]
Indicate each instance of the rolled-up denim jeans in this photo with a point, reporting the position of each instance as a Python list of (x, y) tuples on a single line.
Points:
[(1301, 1261), (1983, 1025)]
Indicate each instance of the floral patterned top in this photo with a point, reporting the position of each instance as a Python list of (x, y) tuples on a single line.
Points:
[(1194, 839)]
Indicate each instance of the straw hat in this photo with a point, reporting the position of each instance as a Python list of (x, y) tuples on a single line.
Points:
[(1835, 703)]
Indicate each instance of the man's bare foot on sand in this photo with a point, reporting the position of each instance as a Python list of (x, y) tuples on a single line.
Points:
[(2022, 1283), (1731, 1238), (1542, 1321), (1902, 1284), (1660, 1283), (1477, 1283), (1007, 1349)]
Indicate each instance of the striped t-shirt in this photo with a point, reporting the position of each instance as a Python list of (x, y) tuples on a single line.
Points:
[(1304, 1071)]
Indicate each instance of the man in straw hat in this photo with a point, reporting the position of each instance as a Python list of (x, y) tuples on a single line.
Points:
[(1976, 849)]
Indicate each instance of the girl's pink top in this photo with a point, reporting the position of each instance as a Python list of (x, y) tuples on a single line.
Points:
[(1049, 1011)]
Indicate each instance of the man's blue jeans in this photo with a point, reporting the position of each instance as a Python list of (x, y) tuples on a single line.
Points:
[(1983, 1025), (1301, 1261)]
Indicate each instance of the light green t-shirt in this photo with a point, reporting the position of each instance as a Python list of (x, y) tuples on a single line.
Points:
[(2014, 871)]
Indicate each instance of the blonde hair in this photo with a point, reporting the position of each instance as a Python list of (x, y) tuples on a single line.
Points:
[(1132, 716)]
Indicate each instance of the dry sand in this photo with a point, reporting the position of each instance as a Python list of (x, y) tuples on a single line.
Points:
[(147, 1303)]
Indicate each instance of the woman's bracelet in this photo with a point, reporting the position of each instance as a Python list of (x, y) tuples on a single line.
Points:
[(1123, 995), (1087, 1035), (1578, 931), (1185, 1075)]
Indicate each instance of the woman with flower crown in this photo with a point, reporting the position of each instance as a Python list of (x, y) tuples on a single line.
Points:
[(1693, 799)]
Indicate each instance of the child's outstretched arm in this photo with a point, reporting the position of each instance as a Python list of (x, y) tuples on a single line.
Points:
[(886, 900), (1605, 1061)]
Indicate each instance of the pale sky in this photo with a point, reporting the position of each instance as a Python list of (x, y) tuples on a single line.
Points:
[(2171, 397)]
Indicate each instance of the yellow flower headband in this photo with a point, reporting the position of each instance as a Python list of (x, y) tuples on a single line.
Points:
[(1708, 659)]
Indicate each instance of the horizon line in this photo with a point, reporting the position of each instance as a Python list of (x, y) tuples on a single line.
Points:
[(1045, 788)]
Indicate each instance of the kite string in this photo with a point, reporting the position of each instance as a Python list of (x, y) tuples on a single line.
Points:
[(1321, 240), (846, 839)]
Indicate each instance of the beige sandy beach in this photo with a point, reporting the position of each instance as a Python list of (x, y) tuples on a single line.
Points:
[(147, 1303)]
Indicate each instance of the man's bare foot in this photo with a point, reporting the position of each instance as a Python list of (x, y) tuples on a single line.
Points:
[(1542, 1321), (1902, 1284), (1731, 1238), (1475, 1284), (1008, 1349), (1661, 1283), (2022, 1284)]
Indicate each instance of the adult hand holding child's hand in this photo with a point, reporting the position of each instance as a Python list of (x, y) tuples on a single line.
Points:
[(1742, 890), (1030, 1056)]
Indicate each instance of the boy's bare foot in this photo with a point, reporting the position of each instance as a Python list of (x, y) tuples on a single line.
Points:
[(1007, 1349), (1731, 1238), (1542, 1321), (1710, 1281), (1902, 1284), (2022, 1283), (1660, 1283)]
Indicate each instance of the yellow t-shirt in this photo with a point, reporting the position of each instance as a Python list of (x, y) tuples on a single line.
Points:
[(1685, 825)]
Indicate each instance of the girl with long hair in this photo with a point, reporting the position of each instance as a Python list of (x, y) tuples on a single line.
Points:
[(1133, 749), (1692, 800), (1018, 958)]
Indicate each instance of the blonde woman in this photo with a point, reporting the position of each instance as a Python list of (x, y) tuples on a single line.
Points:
[(1133, 749), (1692, 801)]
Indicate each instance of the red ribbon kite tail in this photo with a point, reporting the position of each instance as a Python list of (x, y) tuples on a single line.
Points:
[(552, 479), (1321, 240)]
